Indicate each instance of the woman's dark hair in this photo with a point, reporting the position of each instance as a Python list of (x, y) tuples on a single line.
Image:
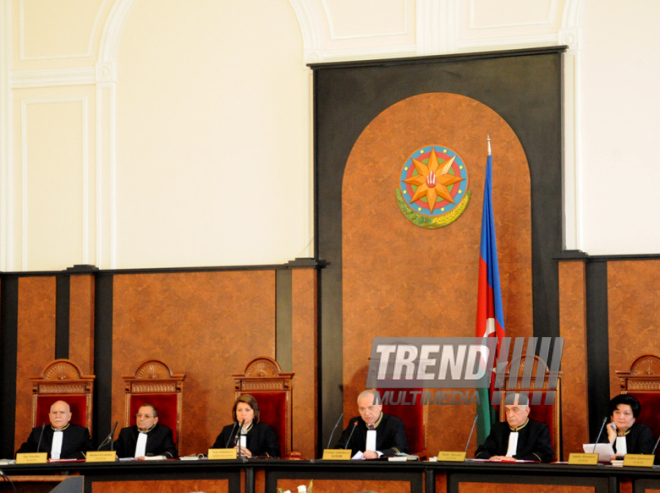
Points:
[(626, 399), (250, 401)]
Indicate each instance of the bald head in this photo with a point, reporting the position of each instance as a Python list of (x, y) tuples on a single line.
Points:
[(59, 415)]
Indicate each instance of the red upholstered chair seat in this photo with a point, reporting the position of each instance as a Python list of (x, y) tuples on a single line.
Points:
[(649, 414), (63, 380), (166, 404), (77, 403), (272, 411), (413, 417), (155, 384), (642, 381), (264, 380)]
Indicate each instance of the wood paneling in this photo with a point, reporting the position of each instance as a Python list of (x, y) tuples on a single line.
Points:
[(574, 389), (522, 488), (35, 344), (403, 280), (346, 486), (207, 325), (634, 313), (305, 362), (162, 486)]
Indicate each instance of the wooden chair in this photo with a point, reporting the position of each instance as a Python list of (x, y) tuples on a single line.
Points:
[(550, 414), (155, 384), (264, 380), (63, 380), (642, 381)]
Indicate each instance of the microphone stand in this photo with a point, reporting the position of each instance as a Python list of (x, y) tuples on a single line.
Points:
[(237, 439), (231, 434), (334, 429), (599, 434), (41, 435), (350, 435), (476, 417)]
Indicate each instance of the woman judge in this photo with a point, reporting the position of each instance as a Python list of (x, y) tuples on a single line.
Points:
[(626, 436), (258, 439)]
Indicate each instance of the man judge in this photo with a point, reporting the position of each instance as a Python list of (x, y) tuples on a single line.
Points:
[(146, 437), (374, 433), (62, 440), (519, 438)]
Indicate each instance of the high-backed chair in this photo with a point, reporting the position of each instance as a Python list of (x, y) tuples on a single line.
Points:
[(155, 384), (414, 417), (63, 380), (550, 414), (642, 381), (264, 380)]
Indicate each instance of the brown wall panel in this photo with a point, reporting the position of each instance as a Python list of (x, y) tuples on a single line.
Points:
[(305, 361), (403, 280), (207, 325), (573, 327), (81, 322), (346, 486), (36, 343), (162, 486), (634, 313), (522, 488)]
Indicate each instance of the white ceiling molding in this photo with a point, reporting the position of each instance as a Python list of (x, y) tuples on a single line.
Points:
[(335, 36), (309, 29), (22, 79)]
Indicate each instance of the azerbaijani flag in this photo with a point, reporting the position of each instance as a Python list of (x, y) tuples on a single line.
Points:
[(490, 316)]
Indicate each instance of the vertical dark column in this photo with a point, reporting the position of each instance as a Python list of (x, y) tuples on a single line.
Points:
[(103, 305), (8, 360), (598, 355), (62, 307), (284, 319)]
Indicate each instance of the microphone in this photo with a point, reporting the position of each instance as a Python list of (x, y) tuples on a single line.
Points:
[(231, 434), (350, 435), (109, 438), (474, 423), (656, 446), (41, 435), (334, 429), (238, 444), (599, 434)]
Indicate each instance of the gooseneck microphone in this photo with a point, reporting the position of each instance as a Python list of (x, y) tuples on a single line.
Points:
[(656, 446), (350, 435), (41, 435), (474, 423), (231, 434), (109, 438), (599, 434), (334, 429)]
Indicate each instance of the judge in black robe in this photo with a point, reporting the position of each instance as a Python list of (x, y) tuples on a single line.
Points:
[(159, 442), (261, 440), (624, 409), (390, 430), (533, 441), (75, 441)]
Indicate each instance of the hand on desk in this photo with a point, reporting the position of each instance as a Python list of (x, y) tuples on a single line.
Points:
[(370, 454), (243, 452)]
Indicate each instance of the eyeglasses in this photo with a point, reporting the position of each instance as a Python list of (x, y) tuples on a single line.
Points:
[(144, 416)]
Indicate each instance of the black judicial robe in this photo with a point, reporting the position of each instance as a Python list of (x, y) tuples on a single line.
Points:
[(159, 442), (75, 442), (639, 439), (533, 442), (261, 439), (390, 435)]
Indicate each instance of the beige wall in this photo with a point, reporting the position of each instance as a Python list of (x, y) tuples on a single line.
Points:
[(157, 133)]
